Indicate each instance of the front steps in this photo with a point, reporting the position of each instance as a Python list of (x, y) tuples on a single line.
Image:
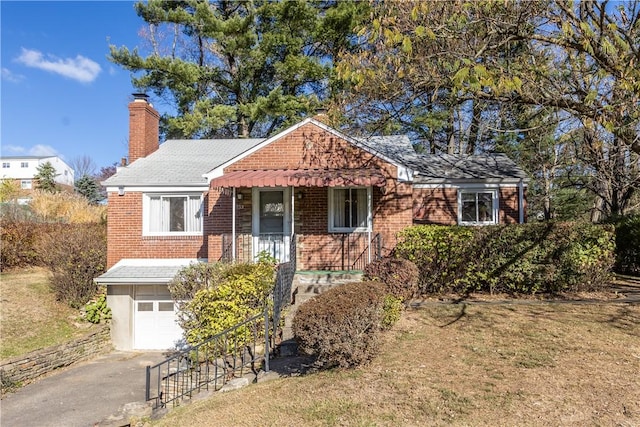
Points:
[(306, 285)]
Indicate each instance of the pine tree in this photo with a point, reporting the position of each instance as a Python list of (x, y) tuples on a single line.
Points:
[(46, 178), (89, 189), (239, 69)]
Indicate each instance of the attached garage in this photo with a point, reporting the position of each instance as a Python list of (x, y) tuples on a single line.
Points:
[(154, 321), (144, 314)]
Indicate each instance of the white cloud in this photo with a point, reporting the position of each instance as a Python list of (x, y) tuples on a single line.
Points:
[(9, 76), (13, 149), (79, 68), (42, 150), (36, 150)]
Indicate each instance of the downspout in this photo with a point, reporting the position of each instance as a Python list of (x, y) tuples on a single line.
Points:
[(233, 226), (521, 200)]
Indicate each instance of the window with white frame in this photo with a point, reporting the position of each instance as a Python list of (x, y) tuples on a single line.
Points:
[(26, 184), (478, 207), (6, 165), (173, 214), (24, 164), (349, 209)]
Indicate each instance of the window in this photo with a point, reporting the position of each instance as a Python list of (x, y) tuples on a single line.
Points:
[(25, 184), (478, 207), (6, 165), (24, 164), (349, 209), (173, 214)]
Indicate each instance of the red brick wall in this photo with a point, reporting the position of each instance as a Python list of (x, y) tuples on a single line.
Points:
[(125, 240), (435, 206), (509, 206), (311, 147), (143, 130), (440, 206)]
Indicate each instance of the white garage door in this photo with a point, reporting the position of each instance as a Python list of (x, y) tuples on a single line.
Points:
[(155, 326)]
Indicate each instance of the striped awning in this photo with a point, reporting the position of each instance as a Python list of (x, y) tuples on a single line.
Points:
[(301, 178)]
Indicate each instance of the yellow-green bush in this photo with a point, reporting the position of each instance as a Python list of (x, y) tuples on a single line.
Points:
[(223, 296)]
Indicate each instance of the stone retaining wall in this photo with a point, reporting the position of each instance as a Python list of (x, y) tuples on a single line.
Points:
[(23, 369)]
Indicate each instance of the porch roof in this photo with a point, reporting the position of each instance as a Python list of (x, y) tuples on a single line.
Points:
[(301, 178)]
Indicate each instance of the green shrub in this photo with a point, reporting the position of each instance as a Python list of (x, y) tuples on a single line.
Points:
[(439, 252), (96, 311), (341, 326), (223, 296), (398, 274), (628, 245), (75, 254), (391, 311), (524, 258)]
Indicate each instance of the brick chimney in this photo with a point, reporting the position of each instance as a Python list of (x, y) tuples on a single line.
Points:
[(144, 122)]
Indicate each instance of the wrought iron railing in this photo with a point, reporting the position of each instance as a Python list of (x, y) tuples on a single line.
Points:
[(371, 252), (248, 247), (350, 251), (232, 353)]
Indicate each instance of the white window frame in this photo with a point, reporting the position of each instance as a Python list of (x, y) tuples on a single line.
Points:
[(6, 165), (146, 215), (335, 229), (24, 164), (26, 184), (494, 200)]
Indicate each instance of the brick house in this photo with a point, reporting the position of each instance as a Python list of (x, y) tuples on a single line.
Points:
[(335, 201)]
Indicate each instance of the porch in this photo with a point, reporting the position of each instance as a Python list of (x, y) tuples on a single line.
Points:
[(325, 221), (327, 254)]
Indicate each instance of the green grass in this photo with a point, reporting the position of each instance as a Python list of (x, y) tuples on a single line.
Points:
[(30, 316)]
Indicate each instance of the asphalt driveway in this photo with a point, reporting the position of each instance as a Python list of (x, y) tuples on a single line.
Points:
[(81, 395)]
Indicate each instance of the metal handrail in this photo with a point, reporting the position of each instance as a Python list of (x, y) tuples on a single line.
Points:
[(211, 363)]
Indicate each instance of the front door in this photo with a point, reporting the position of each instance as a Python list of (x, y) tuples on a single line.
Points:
[(271, 223)]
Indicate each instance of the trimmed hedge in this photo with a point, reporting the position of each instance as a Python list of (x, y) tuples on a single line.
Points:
[(398, 274), (524, 258), (342, 325)]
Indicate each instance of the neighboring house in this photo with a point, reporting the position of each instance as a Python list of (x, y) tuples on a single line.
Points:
[(22, 169), (335, 201)]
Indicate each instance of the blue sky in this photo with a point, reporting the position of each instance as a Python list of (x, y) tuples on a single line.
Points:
[(59, 92)]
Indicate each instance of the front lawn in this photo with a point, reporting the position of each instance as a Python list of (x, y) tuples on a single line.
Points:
[(30, 316), (482, 365)]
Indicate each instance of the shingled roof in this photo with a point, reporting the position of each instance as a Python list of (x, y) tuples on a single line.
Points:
[(185, 162), (180, 162)]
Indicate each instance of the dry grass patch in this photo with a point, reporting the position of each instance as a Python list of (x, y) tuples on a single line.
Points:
[(30, 316), (480, 365)]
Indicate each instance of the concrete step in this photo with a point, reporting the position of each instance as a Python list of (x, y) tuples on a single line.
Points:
[(325, 277)]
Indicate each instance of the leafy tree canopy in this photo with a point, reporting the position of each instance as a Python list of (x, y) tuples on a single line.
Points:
[(461, 75)]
